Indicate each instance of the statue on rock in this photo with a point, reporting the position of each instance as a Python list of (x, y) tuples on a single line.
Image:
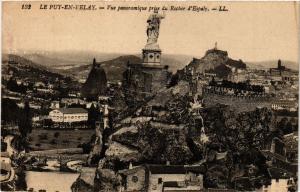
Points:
[(153, 27)]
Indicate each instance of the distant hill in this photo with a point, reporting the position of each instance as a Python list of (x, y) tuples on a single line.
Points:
[(114, 68), (175, 62), (61, 59), (28, 70), (273, 64), (78, 63), (23, 61)]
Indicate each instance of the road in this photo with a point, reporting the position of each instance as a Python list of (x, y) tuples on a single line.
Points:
[(8, 140)]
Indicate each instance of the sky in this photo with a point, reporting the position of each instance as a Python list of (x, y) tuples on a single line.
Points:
[(254, 31)]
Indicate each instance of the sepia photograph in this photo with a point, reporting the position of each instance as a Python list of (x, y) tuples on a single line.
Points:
[(149, 96)]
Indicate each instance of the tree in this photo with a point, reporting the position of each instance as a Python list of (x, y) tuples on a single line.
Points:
[(174, 80), (12, 85), (25, 122), (281, 125), (288, 128), (93, 115), (11, 110), (47, 122)]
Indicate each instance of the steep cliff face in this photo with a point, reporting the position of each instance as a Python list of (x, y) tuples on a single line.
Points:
[(154, 143), (153, 133)]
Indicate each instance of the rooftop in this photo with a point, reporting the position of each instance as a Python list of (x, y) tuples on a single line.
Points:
[(165, 169), (291, 142), (285, 102), (174, 169), (72, 110), (277, 173)]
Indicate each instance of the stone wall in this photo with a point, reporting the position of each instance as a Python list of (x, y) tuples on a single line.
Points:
[(238, 103)]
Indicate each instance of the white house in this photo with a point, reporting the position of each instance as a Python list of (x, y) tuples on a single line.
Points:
[(55, 105), (68, 115), (5, 167)]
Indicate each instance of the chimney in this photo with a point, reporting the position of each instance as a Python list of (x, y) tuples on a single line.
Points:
[(130, 165)]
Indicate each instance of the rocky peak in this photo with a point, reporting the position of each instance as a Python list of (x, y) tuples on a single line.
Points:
[(215, 61), (96, 83)]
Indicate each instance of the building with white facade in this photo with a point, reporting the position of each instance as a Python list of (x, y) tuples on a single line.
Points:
[(68, 115), (290, 105)]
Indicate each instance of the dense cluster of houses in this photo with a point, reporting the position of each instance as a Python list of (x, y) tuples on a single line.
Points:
[(277, 85)]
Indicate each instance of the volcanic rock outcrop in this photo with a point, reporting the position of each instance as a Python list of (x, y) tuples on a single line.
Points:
[(96, 83), (215, 61), (169, 129)]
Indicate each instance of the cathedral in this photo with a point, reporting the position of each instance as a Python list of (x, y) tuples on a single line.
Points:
[(143, 80)]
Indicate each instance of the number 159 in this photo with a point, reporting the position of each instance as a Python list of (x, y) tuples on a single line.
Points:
[(26, 6)]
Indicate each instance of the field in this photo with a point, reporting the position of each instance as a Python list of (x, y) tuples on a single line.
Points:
[(42, 139)]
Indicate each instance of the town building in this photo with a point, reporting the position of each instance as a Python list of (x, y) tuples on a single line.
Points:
[(238, 75), (276, 156), (290, 105), (291, 146), (280, 181), (55, 105), (68, 115), (281, 73), (70, 101), (7, 171), (88, 105), (158, 178)]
